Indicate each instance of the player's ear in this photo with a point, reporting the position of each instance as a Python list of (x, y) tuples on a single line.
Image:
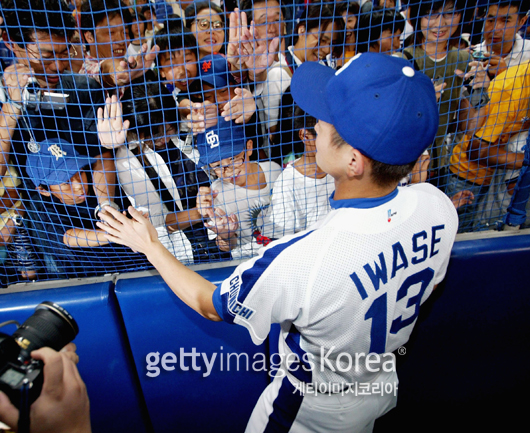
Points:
[(43, 191), (356, 163), (301, 29)]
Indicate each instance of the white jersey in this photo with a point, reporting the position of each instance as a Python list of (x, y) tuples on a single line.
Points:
[(298, 202), (350, 285), (249, 205)]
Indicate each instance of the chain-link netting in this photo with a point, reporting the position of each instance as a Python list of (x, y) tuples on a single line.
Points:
[(183, 110)]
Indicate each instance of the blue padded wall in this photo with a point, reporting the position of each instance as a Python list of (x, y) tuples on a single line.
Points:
[(186, 401), (465, 368)]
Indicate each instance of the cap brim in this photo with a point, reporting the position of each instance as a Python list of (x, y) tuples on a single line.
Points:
[(216, 81), (71, 167), (218, 154), (308, 88)]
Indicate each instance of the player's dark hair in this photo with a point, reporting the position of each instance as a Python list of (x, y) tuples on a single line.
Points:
[(149, 106), (314, 17), (194, 8), (22, 18), (383, 175), (175, 38), (94, 12), (420, 8), (371, 25), (247, 6)]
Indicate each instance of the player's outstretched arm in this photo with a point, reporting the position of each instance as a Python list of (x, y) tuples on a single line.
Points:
[(139, 234)]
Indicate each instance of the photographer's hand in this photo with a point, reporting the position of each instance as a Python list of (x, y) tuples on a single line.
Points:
[(63, 405)]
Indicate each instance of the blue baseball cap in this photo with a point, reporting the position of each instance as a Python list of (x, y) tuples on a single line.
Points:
[(214, 70), (55, 163), (377, 103), (224, 140)]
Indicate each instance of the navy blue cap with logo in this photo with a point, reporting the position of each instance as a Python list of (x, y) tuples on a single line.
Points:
[(377, 103), (56, 162), (224, 140), (214, 70)]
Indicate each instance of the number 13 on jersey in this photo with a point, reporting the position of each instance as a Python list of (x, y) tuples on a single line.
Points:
[(377, 312)]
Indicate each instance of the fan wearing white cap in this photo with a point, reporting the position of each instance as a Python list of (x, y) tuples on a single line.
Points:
[(347, 291)]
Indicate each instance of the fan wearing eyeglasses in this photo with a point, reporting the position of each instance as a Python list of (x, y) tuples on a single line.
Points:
[(45, 54), (234, 205), (207, 22)]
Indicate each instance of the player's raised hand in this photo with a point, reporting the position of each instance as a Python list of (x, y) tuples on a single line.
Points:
[(112, 130), (136, 232), (205, 200), (241, 107), (203, 115)]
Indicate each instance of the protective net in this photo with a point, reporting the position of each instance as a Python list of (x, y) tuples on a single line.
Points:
[(183, 110)]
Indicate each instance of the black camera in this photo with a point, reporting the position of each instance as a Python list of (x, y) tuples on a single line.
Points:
[(21, 376), (35, 98)]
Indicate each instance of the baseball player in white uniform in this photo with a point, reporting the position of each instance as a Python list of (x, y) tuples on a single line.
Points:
[(347, 291)]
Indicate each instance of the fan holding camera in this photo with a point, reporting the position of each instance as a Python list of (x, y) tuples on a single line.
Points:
[(502, 46)]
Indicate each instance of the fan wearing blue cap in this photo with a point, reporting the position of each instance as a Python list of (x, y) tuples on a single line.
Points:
[(234, 202), (215, 93), (347, 291), (63, 176)]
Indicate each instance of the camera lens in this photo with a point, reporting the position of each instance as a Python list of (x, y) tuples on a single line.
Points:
[(49, 326)]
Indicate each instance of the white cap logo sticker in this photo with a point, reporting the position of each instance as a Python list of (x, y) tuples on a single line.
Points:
[(212, 139), (408, 71), (56, 151)]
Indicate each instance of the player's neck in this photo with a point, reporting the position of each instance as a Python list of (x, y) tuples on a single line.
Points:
[(360, 188)]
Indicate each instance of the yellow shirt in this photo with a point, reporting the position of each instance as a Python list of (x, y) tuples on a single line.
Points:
[(509, 105)]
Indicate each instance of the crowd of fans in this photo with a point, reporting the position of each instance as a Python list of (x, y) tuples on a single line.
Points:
[(183, 110)]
